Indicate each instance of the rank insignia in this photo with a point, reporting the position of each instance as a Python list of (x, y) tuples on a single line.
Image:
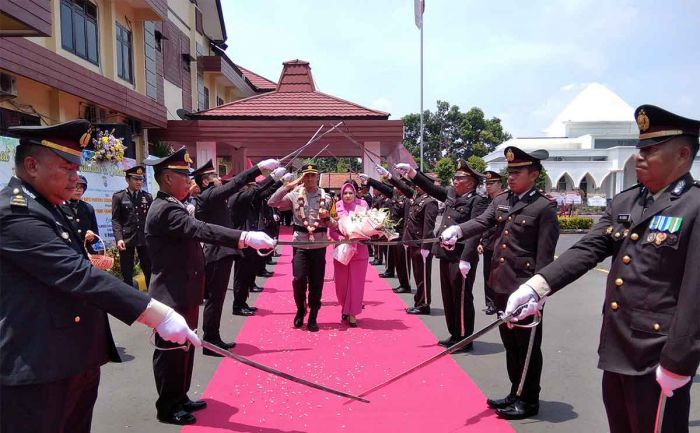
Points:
[(679, 187), (18, 200), (651, 237), (660, 238), (665, 223)]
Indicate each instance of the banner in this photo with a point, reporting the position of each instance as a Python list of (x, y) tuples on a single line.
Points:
[(104, 179)]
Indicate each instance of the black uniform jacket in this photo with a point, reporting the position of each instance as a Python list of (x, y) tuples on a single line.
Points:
[(458, 209), (419, 215), (129, 217), (53, 302), (489, 237), (173, 237), (82, 215), (528, 234), (211, 208), (652, 297), (396, 203), (245, 206)]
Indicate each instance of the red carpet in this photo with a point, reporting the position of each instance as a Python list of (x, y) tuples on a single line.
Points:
[(439, 398)]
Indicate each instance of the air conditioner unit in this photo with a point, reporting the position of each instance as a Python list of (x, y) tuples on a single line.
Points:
[(8, 86)]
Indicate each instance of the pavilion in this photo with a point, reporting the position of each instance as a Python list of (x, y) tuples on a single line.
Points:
[(275, 123)]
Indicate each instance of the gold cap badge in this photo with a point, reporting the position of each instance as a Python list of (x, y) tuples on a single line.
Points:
[(187, 158), (643, 120), (510, 155), (139, 171)]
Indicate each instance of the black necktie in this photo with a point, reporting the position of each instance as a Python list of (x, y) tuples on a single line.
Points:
[(513, 199), (648, 201)]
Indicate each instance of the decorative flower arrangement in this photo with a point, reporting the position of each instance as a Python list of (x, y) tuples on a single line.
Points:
[(363, 224), (301, 201), (108, 148)]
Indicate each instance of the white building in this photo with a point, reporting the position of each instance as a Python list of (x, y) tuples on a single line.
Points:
[(590, 144)]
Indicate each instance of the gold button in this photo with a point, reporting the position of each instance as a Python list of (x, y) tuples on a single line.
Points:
[(527, 264), (500, 218), (15, 191), (80, 231), (64, 235), (505, 232), (619, 282), (626, 260), (504, 246), (449, 217), (510, 218), (634, 236), (524, 222), (501, 260), (657, 327), (77, 219), (617, 235), (614, 305), (76, 319)]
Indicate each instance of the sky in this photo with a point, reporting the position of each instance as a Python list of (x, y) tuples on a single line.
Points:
[(522, 62)]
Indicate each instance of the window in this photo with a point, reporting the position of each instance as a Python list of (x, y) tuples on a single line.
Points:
[(79, 29), (219, 101), (149, 29), (202, 102), (206, 99), (124, 58)]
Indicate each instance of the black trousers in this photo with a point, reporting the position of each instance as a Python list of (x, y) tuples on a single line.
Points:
[(457, 297), (515, 341), (172, 369), (391, 259), (126, 263), (403, 265), (631, 403), (245, 271), (64, 406), (422, 297), (489, 294), (308, 267), (216, 276)]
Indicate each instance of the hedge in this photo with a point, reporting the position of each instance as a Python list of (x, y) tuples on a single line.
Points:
[(575, 223)]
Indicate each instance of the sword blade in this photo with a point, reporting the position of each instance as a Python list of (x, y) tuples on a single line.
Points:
[(442, 354), (660, 413), (282, 374)]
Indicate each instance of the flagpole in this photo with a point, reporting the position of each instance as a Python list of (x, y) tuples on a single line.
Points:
[(421, 92)]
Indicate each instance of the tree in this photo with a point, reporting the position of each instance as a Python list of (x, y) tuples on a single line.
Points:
[(476, 163), (335, 165), (450, 132), (445, 169)]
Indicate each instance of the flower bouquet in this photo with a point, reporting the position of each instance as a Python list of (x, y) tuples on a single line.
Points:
[(108, 148), (363, 224)]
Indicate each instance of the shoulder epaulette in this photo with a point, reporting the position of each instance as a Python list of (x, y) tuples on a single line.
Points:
[(171, 199), (17, 199), (503, 192), (697, 183), (639, 185), (546, 195)]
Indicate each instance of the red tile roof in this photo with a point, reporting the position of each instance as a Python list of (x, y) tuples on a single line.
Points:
[(333, 181), (295, 97), (260, 83)]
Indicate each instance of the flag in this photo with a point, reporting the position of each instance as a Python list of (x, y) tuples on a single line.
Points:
[(418, 9)]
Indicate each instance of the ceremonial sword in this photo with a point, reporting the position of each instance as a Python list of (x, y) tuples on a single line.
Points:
[(660, 413), (282, 374), (503, 318)]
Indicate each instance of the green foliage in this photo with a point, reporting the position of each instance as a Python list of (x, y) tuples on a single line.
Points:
[(477, 163), (445, 169), (574, 223), (450, 132), (160, 149), (335, 165)]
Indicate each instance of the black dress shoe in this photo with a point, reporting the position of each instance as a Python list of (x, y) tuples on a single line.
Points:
[(501, 403), (256, 289), (253, 309), (242, 311), (220, 343), (387, 275), (266, 274), (447, 342), (312, 325), (490, 310), (376, 262), (401, 289), (299, 319), (519, 410), (193, 406), (180, 417), (466, 349), (343, 317), (418, 310)]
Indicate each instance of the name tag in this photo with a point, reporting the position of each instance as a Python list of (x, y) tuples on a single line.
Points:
[(504, 208), (623, 218)]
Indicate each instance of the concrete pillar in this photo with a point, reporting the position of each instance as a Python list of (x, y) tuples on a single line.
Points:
[(370, 158), (206, 150), (239, 158)]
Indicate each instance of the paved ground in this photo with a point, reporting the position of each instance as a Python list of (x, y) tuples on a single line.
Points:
[(570, 398)]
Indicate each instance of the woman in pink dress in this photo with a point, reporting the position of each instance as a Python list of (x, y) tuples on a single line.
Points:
[(350, 278)]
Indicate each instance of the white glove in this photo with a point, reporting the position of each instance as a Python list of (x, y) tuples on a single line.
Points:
[(259, 241), (669, 381), (464, 268), (524, 295), (174, 328), (287, 177), (363, 178), (383, 171), (268, 164), (405, 169), (278, 173), (449, 236)]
